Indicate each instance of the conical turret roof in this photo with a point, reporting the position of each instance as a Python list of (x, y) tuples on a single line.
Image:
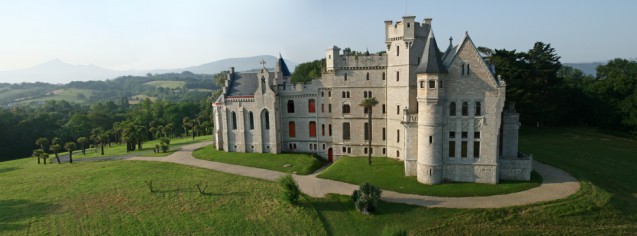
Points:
[(282, 67), (431, 60)]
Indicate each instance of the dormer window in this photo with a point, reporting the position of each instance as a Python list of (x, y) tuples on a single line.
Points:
[(432, 84)]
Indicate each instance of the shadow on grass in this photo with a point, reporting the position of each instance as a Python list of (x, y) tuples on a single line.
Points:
[(8, 169), (13, 211)]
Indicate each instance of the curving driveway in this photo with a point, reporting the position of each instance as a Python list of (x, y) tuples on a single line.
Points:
[(557, 184)]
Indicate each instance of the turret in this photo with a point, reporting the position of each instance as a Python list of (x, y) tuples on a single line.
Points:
[(330, 58), (430, 76)]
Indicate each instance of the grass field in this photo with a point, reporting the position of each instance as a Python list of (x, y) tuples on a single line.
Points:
[(302, 164), (171, 84), (389, 174), (147, 148), (111, 198), (70, 95)]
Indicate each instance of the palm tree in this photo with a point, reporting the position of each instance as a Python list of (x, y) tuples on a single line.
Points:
[(42, 142), (56, 148), (186, 123), (37, 153), (83, 141), (368, 103), (70, 146)]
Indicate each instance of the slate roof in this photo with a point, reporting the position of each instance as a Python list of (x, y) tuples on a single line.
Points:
[(244, 84), (431, 62), (283, 67)]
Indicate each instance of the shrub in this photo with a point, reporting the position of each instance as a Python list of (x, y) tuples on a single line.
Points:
[(165, 140), (366, 198), (393, 231), (164, 147), (291, 191)]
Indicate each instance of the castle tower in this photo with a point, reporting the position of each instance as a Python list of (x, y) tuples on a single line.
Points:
[(430, 75), (405, 41)]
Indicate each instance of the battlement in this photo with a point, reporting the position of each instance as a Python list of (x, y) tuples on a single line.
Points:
[(407, 29), (353, 61)]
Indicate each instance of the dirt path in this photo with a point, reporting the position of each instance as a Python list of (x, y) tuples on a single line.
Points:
[(557, 184)]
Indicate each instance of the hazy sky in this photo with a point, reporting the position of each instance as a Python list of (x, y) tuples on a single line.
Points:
[(155, 34)]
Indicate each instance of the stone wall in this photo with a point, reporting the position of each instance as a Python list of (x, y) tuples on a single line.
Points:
[(471, 173), (516, 169)]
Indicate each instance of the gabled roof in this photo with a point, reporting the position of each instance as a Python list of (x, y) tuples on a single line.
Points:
[(282, 67), (244, 84), (431, 62)]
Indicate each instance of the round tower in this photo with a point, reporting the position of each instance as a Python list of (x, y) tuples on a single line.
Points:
[(430, 76)]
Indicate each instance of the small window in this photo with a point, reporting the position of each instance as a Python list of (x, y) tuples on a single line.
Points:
[(366, 131), (344, 149), (384, 111), (384, 151), (398, 136), (312, 129), (367, 76), (408, 25), (290, 106), (383, 77), (431, 139), (476, 149), (478, 109), (432, 84), (365, 150), (369, 93), (329, 93), (418, 60), (398, 110), (452, 134), (251, 116), (346, 109), (452, 109), (291, 129), (322, 108), (465, 109), (349, 150), (345, 77), (365, 110), (365, 94), (322, 94), (476, 135), (311, 106), (329, 129), (397, 153), (323, 131), (452, 149), (464, 134), (397, 50), (468, 69), (383, 135), (463, 149), (343, 94), (346, 135), (329, 108), (347, 94), (397, 76), (422, 84), (462, 69)]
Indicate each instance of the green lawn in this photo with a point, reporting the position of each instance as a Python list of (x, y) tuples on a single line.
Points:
[(110, 198), (302, 164), (70, 95), (147, 147), (389, 174), (160, 153), (171, 84)]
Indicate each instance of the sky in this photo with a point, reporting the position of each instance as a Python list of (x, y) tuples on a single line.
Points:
[(157, 34)]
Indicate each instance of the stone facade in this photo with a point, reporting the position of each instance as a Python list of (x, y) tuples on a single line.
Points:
[(441, 113)]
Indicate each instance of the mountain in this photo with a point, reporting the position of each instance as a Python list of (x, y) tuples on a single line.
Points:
[(57, 71), (587, 68)]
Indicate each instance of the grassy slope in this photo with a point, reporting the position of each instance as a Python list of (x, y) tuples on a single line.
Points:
[(303, 164), (171, 84), (147, 147), (70, 95), (390, 174), (57, 199)]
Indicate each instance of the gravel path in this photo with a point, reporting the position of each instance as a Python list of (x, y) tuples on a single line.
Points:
[(557, 184)]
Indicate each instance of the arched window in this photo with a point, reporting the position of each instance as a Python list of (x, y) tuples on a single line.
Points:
[(432, 84), (312, 129), (311, 106), (367, 76), (478, 109), (345, 108), (234, 120), (251, 117), (290, 106), (266, 117), (452, 109), (465, 109), (291, 129)]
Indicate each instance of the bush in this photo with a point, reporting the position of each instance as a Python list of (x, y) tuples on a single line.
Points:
[(291, 191), (164, 147), (165, 140), (366, 198), (393, 231)]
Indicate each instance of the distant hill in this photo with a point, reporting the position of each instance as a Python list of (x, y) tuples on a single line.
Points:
[(587, 68), (59, 72)]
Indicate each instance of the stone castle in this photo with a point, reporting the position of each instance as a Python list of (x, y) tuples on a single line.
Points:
[(441, 112)]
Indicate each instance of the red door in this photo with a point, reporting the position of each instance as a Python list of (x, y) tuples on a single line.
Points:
[(330, 157)]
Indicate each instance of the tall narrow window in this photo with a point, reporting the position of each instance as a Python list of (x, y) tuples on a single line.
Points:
[(452, 148), (312, 129), (383, 76), (462, 69), (476, 149), (397, 50), (234, 120), (329, 108), (397, 76), (452, 109), (364, 94), (329, 94), (291, 129), (478, 109), (290, 106), (345, 108), (311, 106), (369, 93), (251, 116), (463, 149), (384, 111), (468, 69), (345, 77), (329, 130), (343, 94), (322, 108), (267, 119), (366, 131), (398, 110), (384, 134), (398, 136), (346, 131), (323, 130), (465, 109), (367, 76)]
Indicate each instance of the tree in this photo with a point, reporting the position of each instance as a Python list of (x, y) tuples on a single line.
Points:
[(56, 148), (616, 86), (368, 104), (42, 142), (307, 71), (291, 191), (37, 153), (83, 141), (98, 137), (70, 147), (186, 123), (366, 198)]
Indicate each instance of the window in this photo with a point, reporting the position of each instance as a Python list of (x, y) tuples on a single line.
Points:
[(349, 150), (366, 131), (311, 106), (290, 106), (383, 76), (464, 134), (345, 108), (452, 148), (291, 129), (384, 111), (468, 69), (367, 76), (266, 114), (345, 77), (251, 117), (344, 149), (312, 129), (397, 153), (322, 108), (365, 110), (330, 129), (323, 130), (476, 135), (397, 76), (397, 50), (322, 94), (452, 109), (398, 136), (452, 134), (384, 151), (478, 109), (384, 134), (431, 139), (346, 131), (369, 93), (398, 110), (347, 94), (329, 93), (465, 109), (462, 69), (343, 94), (432, 84), (365, 150), (234, 120), (422, 84), (364, 94), (463, 149), (418, 60), (476, 149), (329, 108)]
